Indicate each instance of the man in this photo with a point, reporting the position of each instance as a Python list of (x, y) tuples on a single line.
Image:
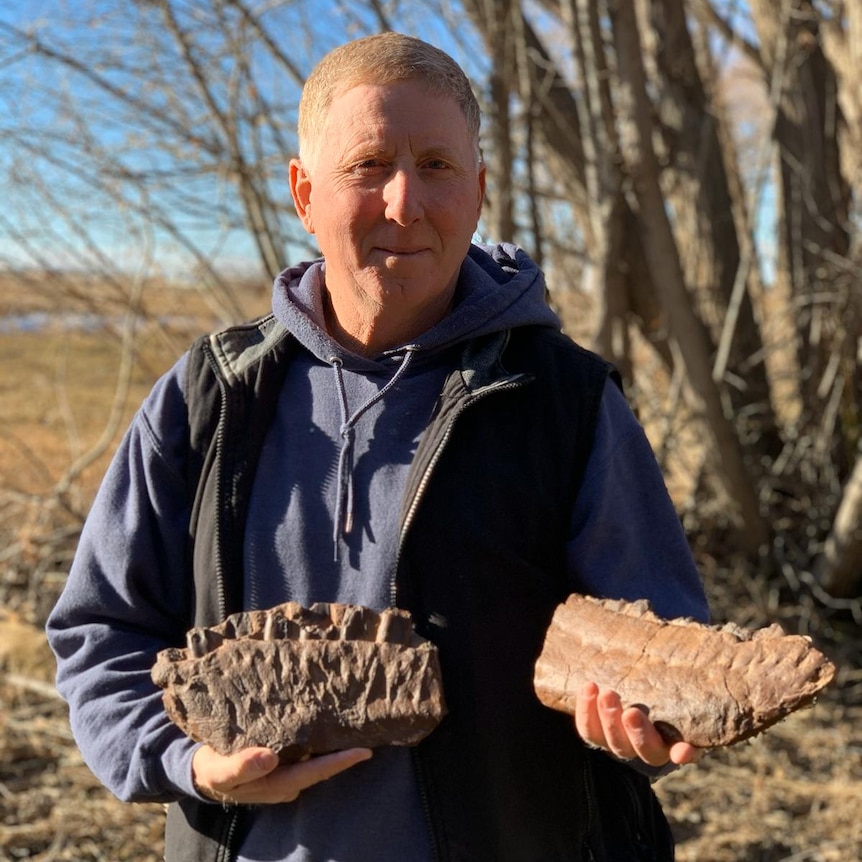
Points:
[(433, 443)]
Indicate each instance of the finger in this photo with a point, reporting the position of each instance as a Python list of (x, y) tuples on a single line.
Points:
[(285, 784), (651, 746), (682, 753), (610, 714), (648, 744), (218, 776), (307, 773), (587, 721)]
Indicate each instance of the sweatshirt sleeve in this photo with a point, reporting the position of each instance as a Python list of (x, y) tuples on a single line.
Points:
[(127, 596), (626, 539)]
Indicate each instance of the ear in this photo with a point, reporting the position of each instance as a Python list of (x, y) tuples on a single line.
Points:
[(300, 190), (481, 198)]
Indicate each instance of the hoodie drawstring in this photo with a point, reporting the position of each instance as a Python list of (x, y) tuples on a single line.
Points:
[(343, 521)]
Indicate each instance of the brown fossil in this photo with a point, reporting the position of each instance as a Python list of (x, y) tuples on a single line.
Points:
[(711, 686), (304, 681)]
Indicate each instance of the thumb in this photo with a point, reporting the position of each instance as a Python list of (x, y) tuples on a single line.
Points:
[(254, 763), (217, 773)]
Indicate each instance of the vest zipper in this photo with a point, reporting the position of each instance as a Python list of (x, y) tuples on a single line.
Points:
[(639, 824), (220, 437), (590, 806), (227, 850), (425, 804)]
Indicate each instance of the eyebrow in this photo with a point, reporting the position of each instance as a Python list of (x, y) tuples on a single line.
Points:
[(374, 150)]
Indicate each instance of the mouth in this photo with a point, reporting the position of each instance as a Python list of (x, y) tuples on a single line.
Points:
[(399, 251)]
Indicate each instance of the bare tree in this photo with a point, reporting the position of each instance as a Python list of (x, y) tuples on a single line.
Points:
[(806, 51), (616, 176), (664, 260), (629, 100)]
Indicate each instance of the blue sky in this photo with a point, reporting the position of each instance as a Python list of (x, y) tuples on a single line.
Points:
[(36, 95), (72, 206)]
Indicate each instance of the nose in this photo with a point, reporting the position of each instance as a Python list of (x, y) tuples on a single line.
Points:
[(402, 195)]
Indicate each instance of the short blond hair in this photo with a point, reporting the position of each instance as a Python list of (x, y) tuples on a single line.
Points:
[(384, 58)]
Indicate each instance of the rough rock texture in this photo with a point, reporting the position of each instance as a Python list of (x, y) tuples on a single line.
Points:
[(707, 685), (304, 681)]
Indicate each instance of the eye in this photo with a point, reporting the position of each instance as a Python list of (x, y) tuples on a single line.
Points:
[(435, 164), (369, 164)]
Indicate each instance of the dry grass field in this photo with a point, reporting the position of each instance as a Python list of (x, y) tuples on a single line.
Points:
[(794, 794)]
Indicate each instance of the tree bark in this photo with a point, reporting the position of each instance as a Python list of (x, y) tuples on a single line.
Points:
[(500, 212), (635, 118), (699, 188), (839, 568)]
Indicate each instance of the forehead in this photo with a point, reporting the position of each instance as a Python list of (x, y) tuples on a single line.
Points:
[(378, 113)]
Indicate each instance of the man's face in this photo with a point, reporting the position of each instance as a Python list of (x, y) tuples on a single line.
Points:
[(393, 197)]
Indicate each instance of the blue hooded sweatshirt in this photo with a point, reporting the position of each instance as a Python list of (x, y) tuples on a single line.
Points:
[(323, 526)]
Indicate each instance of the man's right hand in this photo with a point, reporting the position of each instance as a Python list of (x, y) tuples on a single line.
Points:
[(253, 776)]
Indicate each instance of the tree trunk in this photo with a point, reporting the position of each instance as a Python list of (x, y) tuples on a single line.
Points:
[(500, 206), (635, 117), (699, 189), (839, 569)]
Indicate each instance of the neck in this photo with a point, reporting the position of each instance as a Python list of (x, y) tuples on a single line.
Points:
[(382, 328)]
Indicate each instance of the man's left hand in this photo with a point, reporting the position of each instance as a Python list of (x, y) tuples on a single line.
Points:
[(602, 722)]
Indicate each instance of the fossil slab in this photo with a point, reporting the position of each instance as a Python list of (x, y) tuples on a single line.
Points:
[(710, 686), (304, 681)]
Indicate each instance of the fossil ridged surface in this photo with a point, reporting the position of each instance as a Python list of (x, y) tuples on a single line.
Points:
[(304, 681), (710, 686)]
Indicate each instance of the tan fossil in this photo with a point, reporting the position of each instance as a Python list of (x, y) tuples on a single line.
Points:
[(304, 681), (711, 686)]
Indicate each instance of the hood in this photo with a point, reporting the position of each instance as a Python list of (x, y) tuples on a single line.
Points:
[(499, 288)]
